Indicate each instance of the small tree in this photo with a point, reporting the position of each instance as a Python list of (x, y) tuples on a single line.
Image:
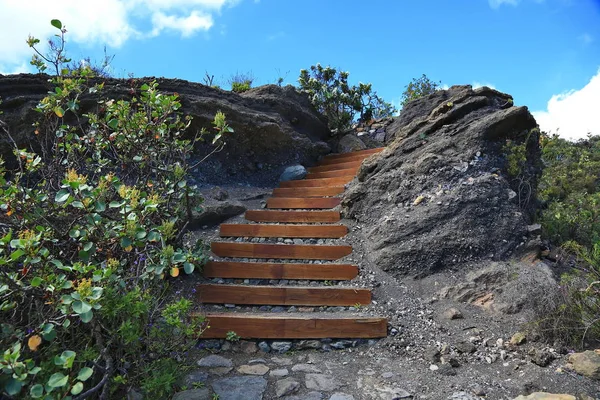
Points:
[(331, 95), (417, 88)]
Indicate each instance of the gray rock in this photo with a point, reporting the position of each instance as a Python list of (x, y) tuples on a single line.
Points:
[(322, 382), (281, 361), (281, 347), (248, 347), (193, 394), (214, 214), (293, 173), (279, 373), (306, 368), (341, 396), (465, 347), (214, 360), (194, 377), (286, 386), (264, 347), (240, 388), (256, 369), (452, 313), (431, 135), (349, 143), (308, 344)]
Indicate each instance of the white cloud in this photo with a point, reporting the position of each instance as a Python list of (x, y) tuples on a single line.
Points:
[(111, 22), (573, 114), (477, 84)]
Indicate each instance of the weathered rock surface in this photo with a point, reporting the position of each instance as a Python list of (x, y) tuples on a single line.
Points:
[(274, 126), (587, 363), (240, 388), (439, 195), (193, 394), (349, 143)]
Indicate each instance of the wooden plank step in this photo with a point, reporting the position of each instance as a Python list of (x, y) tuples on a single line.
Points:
[(335, 167), (283, 251), (332, 161), (332, 174), (283, 231), (268, 326), (309, 202), (293, 216), (340, 180), (254, 270), (282, 295), (309, 191), (354, 153)]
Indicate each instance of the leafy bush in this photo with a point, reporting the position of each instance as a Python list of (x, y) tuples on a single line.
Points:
[(331, 95), (570, 190), (241, 82), (90, 227), (417, 88)]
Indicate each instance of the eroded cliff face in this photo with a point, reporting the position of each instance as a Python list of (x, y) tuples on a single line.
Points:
[(274, 126), (439, 195)]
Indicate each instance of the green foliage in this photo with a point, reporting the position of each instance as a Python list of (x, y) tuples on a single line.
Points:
[(417, 88), (330, 93), (241, 82), (570, 189), (90, 228), (232, 336)]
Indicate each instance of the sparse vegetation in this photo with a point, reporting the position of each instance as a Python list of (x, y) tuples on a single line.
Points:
[(241, 82)]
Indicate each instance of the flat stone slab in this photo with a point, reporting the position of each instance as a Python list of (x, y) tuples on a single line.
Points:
[(240, 388), (286, 386), (341, 396), (256, 369), (214, 361), (322, 382)]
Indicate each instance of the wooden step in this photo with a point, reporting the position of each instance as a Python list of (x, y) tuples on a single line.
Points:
[(254, 270), (309, 191), (332, 174), (347, 159), (335, 167), (283, 251), (269, 326), (307, 203), (282, 295), (337, 181), (293, 216), (354, 153), (283, 231)]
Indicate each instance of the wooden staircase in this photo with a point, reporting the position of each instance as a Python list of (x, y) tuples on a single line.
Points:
[(282, 219)]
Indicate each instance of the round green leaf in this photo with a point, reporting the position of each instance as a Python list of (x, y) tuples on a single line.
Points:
[(81, 307), (36, 391), (86, 317), (77, 388), (57, 380), (56, 23), (188, 267), (13, 387), (37, 281), (84, 374), (62, 195)]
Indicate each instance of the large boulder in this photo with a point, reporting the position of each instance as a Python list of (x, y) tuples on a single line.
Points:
[(439, 195), (274, 126)]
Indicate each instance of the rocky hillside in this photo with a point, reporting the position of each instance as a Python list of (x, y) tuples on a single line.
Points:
[(440, 195), (274, 126)]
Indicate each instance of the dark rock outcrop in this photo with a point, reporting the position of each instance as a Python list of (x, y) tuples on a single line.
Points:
[(439, 195), (274, 126)]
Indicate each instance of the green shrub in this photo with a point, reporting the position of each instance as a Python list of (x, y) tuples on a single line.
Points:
[(241, 82), (90, 228), (417, 88), (570, 190), (240, 87), (330, 93)]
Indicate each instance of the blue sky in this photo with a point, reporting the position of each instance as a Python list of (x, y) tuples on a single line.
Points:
[(546, 53)]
